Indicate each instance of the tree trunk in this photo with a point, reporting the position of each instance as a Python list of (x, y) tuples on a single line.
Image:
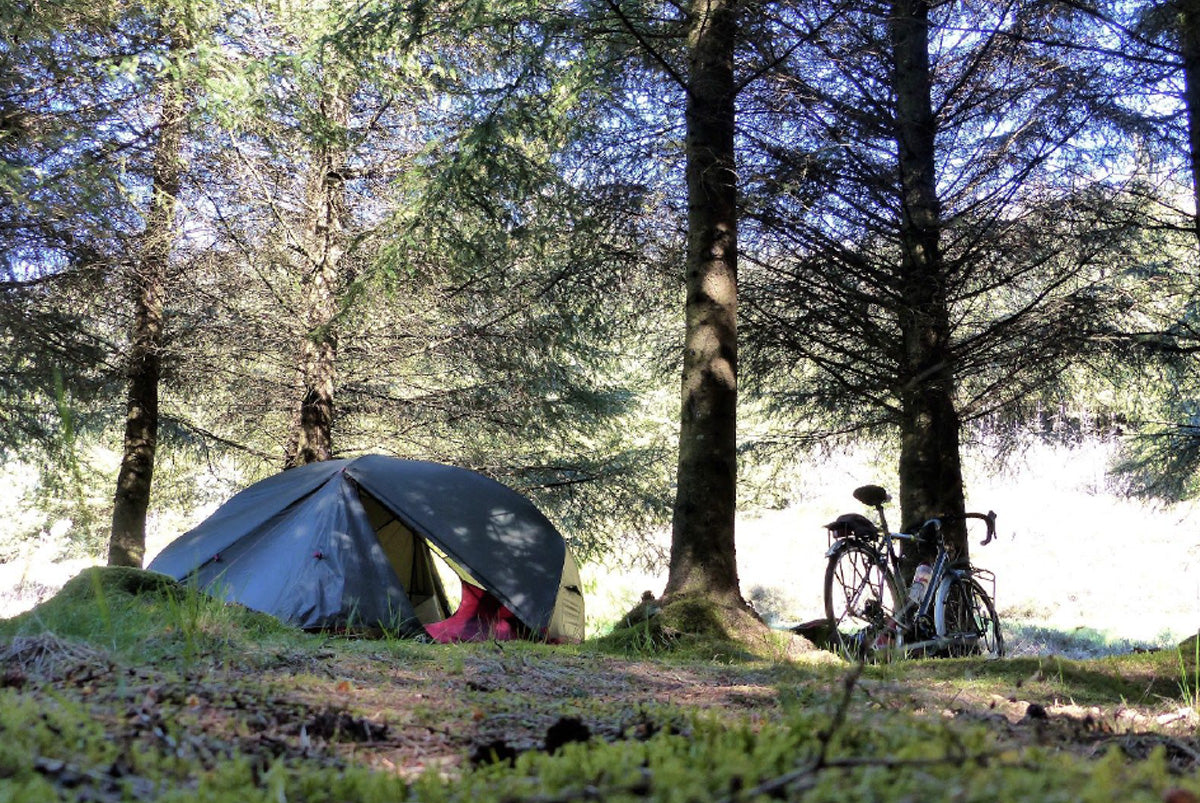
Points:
[(702, 544), (127, 544), (930, 469), (324, 235), (1189, 46)]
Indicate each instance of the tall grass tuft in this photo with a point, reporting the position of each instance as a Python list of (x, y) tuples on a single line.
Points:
[(1189, 682), (142, 613)]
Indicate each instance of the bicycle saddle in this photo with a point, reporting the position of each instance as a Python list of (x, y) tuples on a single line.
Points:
[(872, 495)]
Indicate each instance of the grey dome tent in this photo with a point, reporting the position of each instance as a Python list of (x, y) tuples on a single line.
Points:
[(352, 543)]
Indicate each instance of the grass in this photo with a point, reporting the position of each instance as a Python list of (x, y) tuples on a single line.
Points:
[(1189, 677), (125, 687), (1141, 679), (124, 610)]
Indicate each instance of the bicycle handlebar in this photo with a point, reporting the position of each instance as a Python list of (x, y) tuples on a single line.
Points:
[(989, 518)]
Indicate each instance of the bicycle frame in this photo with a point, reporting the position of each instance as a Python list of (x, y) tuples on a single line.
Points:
[(913, 620), (920, 623)]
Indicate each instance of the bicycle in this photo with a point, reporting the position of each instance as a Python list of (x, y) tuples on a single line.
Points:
[(872, 613)]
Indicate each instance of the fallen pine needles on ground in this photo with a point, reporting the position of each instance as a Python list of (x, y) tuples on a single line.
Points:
[(166, 698)]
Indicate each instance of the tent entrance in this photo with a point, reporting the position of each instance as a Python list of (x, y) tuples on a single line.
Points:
[(429, 577), (450, 604)]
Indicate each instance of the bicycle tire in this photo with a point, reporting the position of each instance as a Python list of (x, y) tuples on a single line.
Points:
[(965, 616), (861, 600)]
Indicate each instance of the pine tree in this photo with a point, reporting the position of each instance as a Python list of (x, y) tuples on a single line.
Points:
[(933, 225), (703, 552), (149, 285)]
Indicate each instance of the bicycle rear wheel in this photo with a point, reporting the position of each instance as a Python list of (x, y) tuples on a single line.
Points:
[(860, 602), (964, 615)]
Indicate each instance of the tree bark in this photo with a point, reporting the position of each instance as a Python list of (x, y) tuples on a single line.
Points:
[(324, 235), (703, 557), (127, 543), (930, 469), (1189, 47)]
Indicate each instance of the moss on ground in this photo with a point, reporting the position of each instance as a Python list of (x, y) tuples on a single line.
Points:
[(149, 614), (126, 687), (692, 625)]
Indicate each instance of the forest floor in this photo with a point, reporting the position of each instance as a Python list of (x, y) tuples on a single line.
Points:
[(119, 689)]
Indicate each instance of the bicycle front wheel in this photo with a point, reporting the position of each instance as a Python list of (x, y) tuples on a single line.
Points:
[(861, 601), (963, 615)]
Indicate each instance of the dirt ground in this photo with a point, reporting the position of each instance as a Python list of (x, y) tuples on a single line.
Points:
[(375, 708)]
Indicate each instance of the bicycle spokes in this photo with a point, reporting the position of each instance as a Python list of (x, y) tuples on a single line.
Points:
[(861, 602), (863, 592), (971, 626)]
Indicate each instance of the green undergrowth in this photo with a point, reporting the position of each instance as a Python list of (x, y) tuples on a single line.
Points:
[(1147, 678), (685, 631), (690, 626), (127, 687), (872, 757), (148, 614), (56, 750)]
